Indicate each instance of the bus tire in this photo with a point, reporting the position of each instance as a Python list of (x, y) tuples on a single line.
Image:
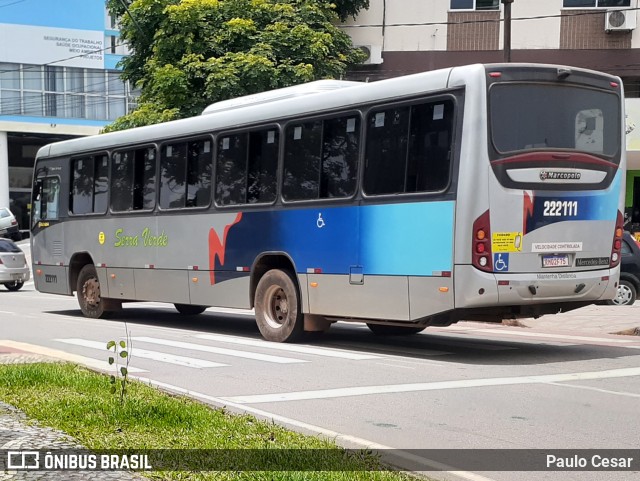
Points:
[(88, 292), (277, 306), (383, 330), (189, 309)]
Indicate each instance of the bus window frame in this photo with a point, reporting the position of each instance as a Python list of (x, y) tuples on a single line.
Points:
[(358, 110), (279, 166), (129, 148), (84, 156), (456, 95), (177, 140)]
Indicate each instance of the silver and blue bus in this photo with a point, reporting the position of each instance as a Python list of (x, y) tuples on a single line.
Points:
[(482, 192)]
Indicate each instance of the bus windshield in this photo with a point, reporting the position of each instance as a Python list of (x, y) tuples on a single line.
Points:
[(584, 119)]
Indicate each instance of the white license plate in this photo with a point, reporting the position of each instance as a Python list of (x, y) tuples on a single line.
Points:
[(16, 277), (556, 261)]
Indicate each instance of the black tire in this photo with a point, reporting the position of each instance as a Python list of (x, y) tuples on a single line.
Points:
[(14, 286), (625, 295), (189, 309), (17, 237), (277, 305), (383, 330), (88, 293)]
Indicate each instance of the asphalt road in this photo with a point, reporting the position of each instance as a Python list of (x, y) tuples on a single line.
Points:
[(467, 386)]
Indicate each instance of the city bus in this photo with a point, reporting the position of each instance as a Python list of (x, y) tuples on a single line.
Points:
[(480, 192)]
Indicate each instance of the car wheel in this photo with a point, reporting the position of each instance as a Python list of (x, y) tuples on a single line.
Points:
[(626, 294), (277, 305), (17, 237), (189, 309), (91, 302), (14, 286), (383, 330)]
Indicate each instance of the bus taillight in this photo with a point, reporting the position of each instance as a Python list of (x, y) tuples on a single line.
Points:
[(481, 244), (617, 241)]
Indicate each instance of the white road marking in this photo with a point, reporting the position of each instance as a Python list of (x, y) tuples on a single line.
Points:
[(597, 389), (220, 350), (345, 440), (65, 356), (7, 312), (299, 348), (431, 386), (555, 336), (143, 353)]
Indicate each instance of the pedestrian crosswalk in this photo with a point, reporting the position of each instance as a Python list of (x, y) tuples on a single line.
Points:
[(212, 351), (190, 350)]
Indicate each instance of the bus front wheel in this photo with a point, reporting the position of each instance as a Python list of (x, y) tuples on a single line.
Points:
[(88, 292), (383, 330), (277, 305)]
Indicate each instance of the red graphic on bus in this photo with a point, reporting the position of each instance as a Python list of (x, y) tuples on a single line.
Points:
[(217, 248)]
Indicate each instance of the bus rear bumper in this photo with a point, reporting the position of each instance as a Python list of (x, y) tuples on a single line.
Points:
[(475, 288)]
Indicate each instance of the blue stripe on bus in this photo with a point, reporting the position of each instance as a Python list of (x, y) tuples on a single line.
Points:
[(396, 239), (591, 205)]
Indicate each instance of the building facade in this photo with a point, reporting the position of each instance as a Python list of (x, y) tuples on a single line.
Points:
[(58, 80), (408, 36)]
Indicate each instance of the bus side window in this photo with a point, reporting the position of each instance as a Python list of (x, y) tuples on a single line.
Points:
[(49, 200), (262, 166), (231, 170), (302, 152), (386, 151)]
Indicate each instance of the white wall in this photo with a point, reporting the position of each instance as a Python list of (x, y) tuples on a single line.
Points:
[(535, 33)]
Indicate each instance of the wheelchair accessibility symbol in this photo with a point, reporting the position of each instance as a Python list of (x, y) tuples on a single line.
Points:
[(501, 262), (320, 222)]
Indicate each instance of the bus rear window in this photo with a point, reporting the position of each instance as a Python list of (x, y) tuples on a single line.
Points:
[(550, 117)]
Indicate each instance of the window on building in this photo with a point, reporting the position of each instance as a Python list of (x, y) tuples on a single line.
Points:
[(475, 4), (185, 174), (320, 158), (631, 87), (408, 148), (65, 92), (246, 167), (133, 180), (595, 3), (89, 185)]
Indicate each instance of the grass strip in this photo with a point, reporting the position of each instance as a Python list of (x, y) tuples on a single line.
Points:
[(79, 402)]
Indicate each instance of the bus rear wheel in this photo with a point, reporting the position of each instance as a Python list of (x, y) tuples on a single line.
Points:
[(88, 292), (277, 306), (189, 309), (383, 330)]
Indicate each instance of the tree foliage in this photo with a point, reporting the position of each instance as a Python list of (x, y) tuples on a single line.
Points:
[(187, 54)]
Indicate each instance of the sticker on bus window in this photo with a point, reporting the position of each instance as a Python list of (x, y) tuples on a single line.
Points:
[(297, 133), (169, 150), (207, 147), (351, 125), (225, 143), (506, 242), (380, 119), (79, 164), (271, 136), (438, 112)]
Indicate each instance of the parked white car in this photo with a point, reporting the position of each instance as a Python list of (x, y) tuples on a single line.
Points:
[(9, 225), (14, 270)]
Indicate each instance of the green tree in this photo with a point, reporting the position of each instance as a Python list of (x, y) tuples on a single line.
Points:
[(187, 54)]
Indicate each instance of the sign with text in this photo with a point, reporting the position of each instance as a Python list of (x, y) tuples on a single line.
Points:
[(60, 46)]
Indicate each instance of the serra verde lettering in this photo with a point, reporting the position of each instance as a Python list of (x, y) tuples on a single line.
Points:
[(145, 239)]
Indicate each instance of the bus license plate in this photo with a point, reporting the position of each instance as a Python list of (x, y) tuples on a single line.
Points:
[(555, 261)]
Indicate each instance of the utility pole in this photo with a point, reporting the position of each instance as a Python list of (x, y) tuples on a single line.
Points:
[(507, 30)]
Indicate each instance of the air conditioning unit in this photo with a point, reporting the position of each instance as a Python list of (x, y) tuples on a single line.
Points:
[(374, 54), (619, 20)]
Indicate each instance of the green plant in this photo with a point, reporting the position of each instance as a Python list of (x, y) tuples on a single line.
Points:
[(120, 379)]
